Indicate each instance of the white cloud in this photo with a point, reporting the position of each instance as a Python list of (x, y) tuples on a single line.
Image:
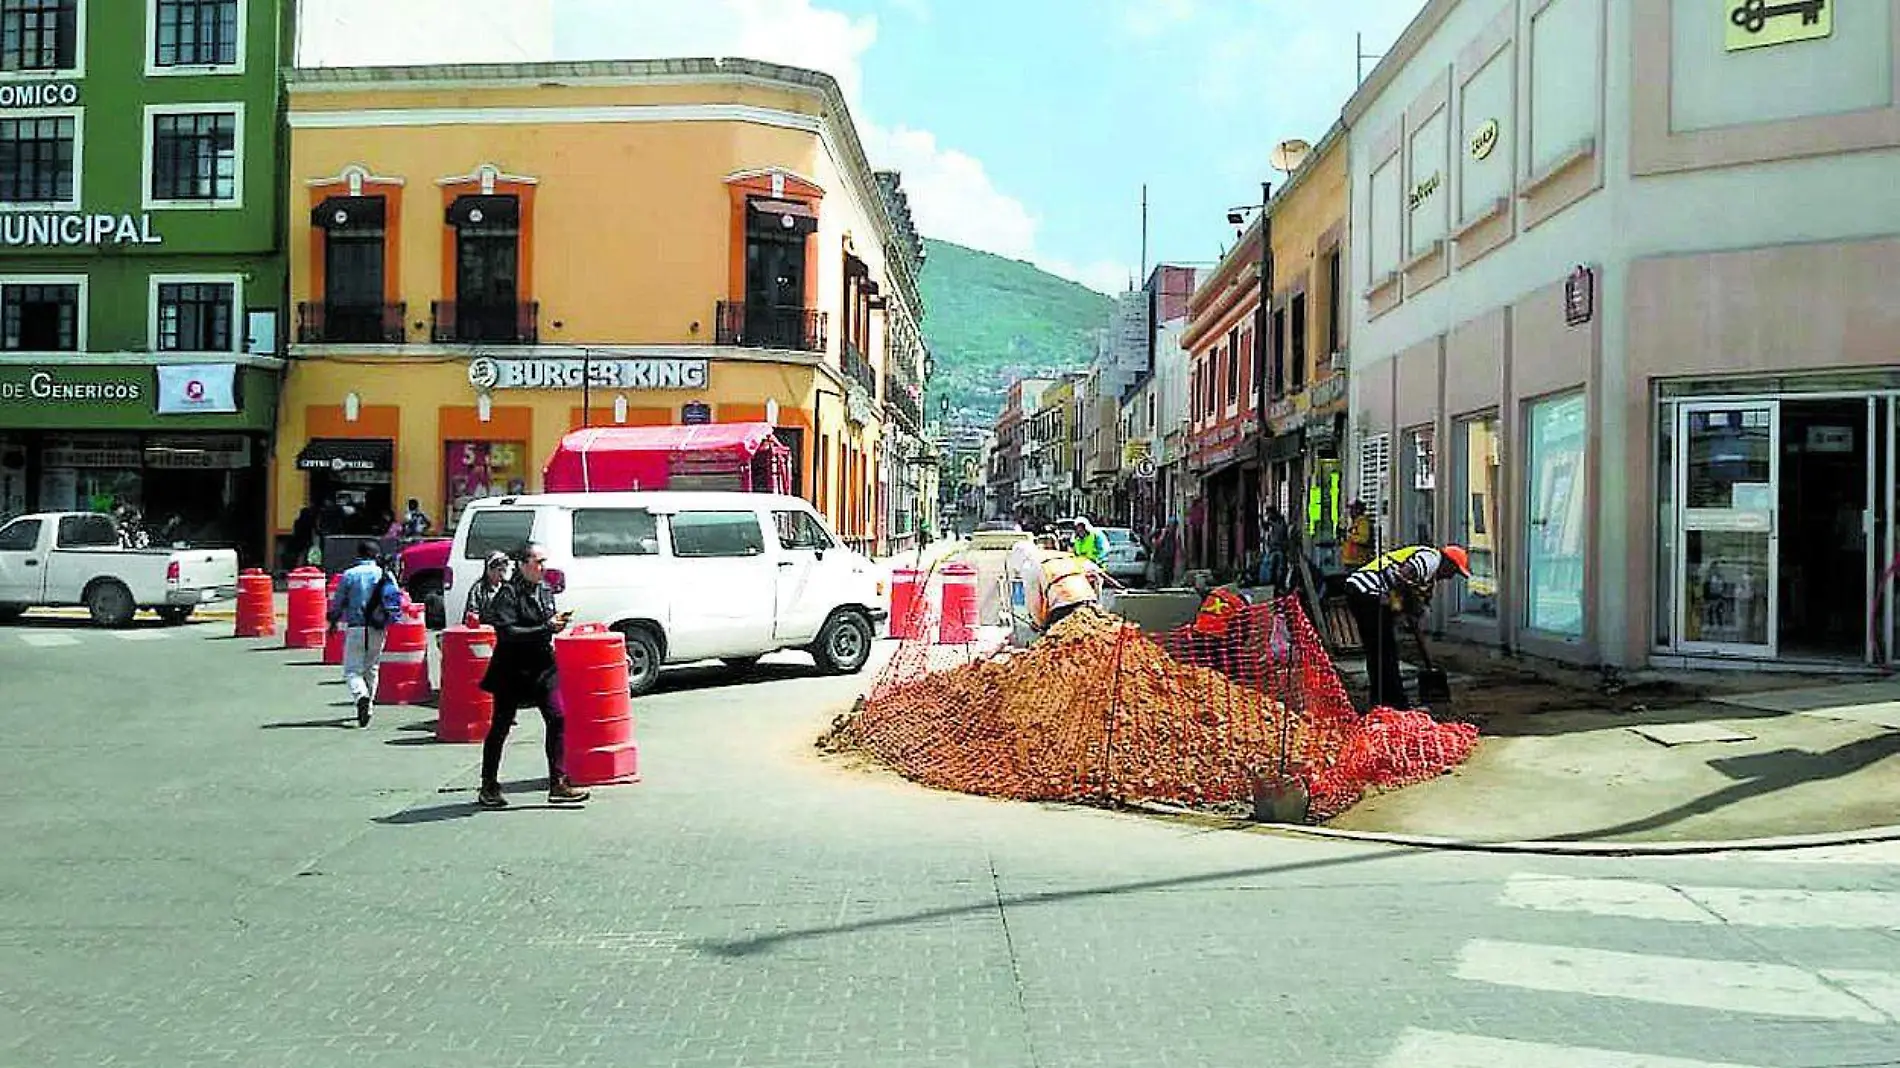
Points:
[(952, 196)]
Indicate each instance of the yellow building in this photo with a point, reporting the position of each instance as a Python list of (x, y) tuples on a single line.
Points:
[(485, 258)]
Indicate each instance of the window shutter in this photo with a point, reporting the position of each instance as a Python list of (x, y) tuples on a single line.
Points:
[(1375, 482)]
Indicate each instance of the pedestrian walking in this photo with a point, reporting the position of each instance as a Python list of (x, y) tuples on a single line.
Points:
[(481, 596), (1396, 583), (1276, 540), (364, 604), (522, 673), (416, 522)]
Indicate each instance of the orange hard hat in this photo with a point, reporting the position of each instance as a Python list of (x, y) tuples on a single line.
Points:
[(1459, 559)]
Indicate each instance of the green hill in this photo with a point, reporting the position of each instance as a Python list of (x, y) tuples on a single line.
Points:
[(990, 320)]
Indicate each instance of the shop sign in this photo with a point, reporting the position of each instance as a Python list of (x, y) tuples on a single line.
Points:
[(695, 413), (1580, 296), (191, 388), (1759, 23), (487, 373), (103, 450), (39, 95), (1484, 140), (1134, 450), (76, 228), (33, 387), (211, 452), (1424, 190)]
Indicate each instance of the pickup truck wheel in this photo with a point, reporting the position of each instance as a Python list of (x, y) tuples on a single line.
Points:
[(844, 645), (643, 660), (175, 614), (110, 603), (11, 612)]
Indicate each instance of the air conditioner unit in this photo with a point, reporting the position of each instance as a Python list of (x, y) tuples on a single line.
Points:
[(1339, 362)]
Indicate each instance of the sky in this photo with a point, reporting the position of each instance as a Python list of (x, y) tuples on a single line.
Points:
[(1026, 128)]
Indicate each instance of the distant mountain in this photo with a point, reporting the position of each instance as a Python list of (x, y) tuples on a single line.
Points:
[(990, 320)]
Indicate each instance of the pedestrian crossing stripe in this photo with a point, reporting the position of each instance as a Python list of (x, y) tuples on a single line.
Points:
[(48, 641), (1688, 982), (139, 635), (1733, 905), (1442, 1049)]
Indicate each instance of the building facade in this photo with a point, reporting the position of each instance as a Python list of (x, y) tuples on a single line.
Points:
[(1223, 409), (1012, 448), (486, 258), (141, 264), (1662, 412)]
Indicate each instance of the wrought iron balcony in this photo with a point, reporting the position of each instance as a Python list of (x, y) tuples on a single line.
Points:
[(764, 326), (858, 369), (908, 404), (351, 324), (470, 322)]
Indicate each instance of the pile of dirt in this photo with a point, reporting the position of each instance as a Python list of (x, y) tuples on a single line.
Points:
[(1094, 711)]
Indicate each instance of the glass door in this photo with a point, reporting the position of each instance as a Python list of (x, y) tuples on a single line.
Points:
[(1556, 543), (1728, 492)]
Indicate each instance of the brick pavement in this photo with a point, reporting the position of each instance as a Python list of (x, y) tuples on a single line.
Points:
[(202, 869)]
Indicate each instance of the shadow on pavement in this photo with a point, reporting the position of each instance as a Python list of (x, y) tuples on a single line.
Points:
[(458, 810), (340, 721), (418, 739), (687, 679), (1579, 716), (745, 947), (1760, 774)]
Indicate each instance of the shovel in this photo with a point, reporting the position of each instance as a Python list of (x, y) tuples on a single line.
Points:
[(1434, 688)]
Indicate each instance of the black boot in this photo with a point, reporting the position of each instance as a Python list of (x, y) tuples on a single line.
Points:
[(562, 792)]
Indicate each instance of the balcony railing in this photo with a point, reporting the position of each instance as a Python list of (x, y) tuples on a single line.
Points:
[(467, 323), (762, 326), (910, 407), (351, 324), (858, 369)]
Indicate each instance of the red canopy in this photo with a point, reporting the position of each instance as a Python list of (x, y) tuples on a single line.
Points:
[(735, 456)]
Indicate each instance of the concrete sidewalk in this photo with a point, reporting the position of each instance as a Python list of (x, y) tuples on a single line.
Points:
[(1813, 759)]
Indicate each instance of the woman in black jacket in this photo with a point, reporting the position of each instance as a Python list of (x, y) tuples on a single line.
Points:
[(522, 673)]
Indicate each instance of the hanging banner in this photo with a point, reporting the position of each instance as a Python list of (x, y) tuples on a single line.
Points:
[(189, 389)]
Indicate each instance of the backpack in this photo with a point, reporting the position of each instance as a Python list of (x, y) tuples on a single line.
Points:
[(385, 603)]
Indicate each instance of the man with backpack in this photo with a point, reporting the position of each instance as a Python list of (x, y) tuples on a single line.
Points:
[(366, 601)]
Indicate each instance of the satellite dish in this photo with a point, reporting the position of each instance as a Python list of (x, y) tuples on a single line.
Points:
[(1288, 155)]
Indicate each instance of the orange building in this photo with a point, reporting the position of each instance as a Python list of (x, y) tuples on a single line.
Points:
[(484, 258)]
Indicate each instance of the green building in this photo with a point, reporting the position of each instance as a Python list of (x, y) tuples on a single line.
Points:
[(142, 277)]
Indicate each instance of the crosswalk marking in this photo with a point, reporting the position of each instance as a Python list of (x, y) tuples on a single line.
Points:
[(1740, 906), (1441, 1049), (48, 641), (1727, 986), (140, 635)]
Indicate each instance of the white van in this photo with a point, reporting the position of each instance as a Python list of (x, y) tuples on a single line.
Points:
[(688, 576)]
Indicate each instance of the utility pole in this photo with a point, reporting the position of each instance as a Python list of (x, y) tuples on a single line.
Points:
[(1144, 233), (1359, 46)]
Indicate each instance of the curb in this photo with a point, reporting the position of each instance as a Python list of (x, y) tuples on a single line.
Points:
[(1888, 833)]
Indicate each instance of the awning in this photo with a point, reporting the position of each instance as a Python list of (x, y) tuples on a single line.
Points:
[(647, 458), (348, 213), (489, 213), (787, 215), (347, 454)]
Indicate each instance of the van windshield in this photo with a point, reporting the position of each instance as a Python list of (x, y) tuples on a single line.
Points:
[(506, 529)]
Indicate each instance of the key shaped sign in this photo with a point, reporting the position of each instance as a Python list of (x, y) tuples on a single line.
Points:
[(1759, 23)]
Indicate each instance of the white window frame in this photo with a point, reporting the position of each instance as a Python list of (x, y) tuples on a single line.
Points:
[(73, 73), (239, 317), (148, 168), (153, 70), (78, 115), (80, 332)]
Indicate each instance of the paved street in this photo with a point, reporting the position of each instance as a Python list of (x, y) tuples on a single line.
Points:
[(203, 867)]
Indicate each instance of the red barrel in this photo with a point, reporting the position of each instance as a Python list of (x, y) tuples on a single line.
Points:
[(959, 605), (305, 626), (402, 677), (907, 608), (464, 709), (590, 664), (333, 636), (256, 605)]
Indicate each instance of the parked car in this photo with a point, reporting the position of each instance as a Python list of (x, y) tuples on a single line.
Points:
[(1127, 561), (689, 576), (422, 570), (998, 534), (74, 558)]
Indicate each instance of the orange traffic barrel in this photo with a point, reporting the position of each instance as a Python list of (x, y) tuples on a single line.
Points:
[(256, 605), (958, 626), (590, 668), (305, 626), (464, 709), (402, 676), (333, 636), (907, 605)]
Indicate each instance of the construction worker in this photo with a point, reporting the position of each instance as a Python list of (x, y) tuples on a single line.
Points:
[(1357, 547), (1055, 583), (1090, 544), (1395, 583)]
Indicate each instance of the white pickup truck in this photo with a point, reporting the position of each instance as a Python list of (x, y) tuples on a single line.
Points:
[(74, 558)]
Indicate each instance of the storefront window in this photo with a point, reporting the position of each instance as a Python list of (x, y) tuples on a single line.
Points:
[(1554, 536), (90, 473), (12, 479), (201, 488), (477, 469), (1475, 483), (1665, 570), (1418, 483)]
